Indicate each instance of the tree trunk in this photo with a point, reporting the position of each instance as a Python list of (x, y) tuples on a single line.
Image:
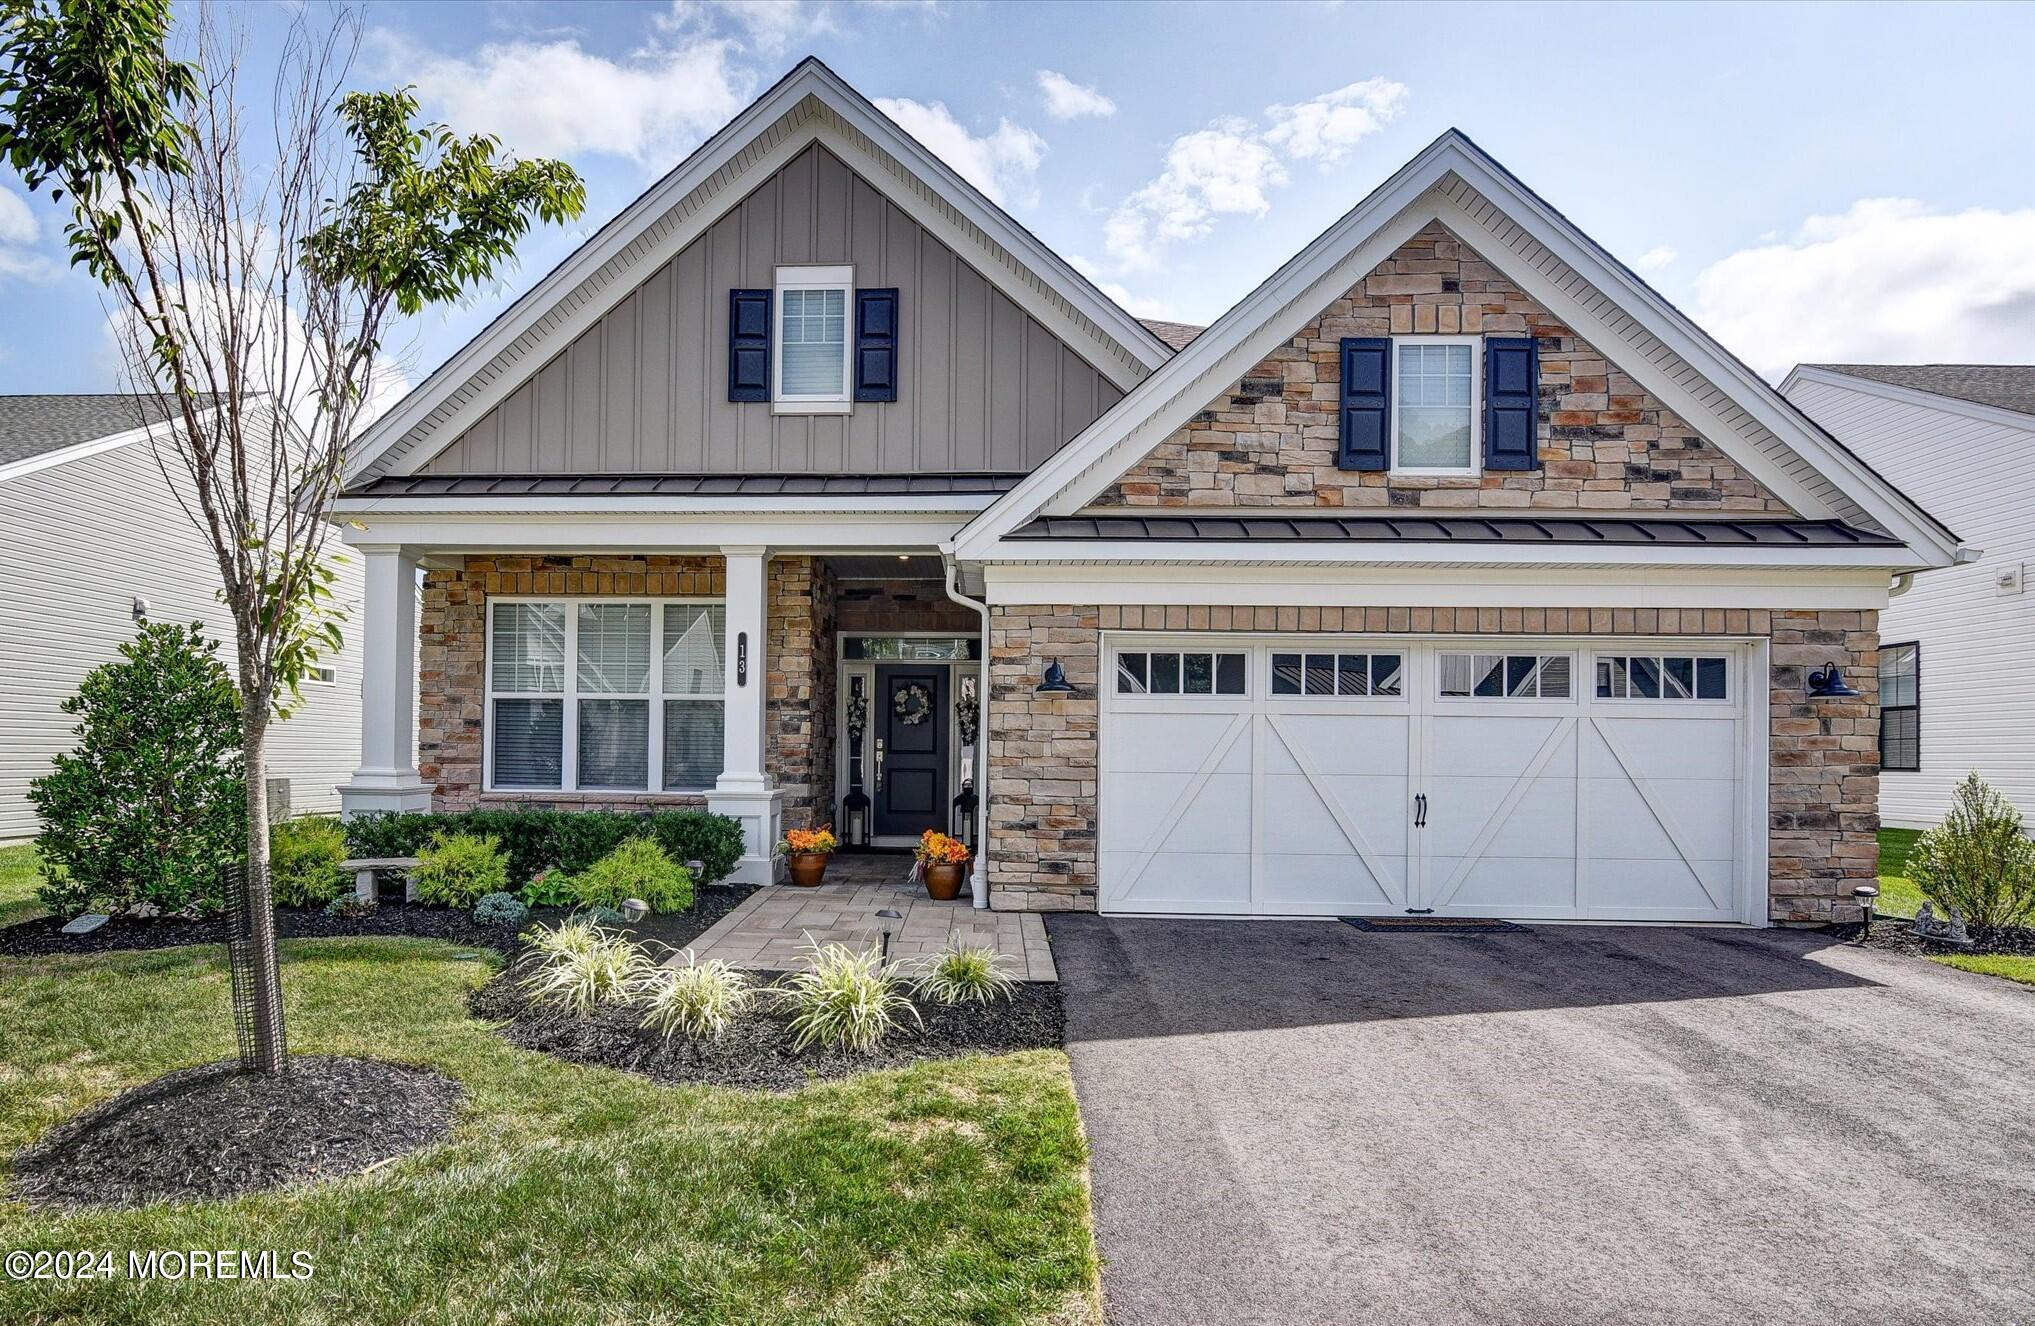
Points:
[(270, 1048)]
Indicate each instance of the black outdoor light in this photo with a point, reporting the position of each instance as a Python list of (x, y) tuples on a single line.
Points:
[(1827, 683), (1055, 682), (1867, 895), (888, 914)]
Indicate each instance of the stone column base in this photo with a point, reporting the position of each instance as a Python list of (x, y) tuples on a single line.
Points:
[(761, 815), (370, 794)]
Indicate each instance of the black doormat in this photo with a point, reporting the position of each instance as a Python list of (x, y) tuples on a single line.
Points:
[(1444, 925)]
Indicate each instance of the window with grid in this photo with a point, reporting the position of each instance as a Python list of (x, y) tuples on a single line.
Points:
[(812, 333), (1179, 672), (1505, 676), (1901, 707), (1435, 405), (1336, 674), (605, 695), (1661, 677)]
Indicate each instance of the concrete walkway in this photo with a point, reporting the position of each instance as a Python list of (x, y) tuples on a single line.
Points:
[(774, 928), (1296, 1122)]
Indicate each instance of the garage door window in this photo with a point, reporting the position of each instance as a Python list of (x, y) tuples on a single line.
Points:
[(1179, 673), (1336, 674), (1667, 677), (1505, 676)]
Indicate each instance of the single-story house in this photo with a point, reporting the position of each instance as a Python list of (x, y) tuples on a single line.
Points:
[(1956, 691), (94, 538), (1452, 571)]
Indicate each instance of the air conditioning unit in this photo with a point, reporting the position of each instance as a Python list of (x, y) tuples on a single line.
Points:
[(279, 800)]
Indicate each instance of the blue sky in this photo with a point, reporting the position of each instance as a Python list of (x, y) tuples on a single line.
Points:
[(1812, 183)]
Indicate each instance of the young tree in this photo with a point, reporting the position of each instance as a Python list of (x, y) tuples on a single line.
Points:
[(251, 288)]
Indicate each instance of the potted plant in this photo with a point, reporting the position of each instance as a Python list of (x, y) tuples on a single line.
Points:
[(807, 850), (942, 861)]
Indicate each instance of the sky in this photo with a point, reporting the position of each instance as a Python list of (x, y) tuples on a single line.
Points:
[(1811, 183)]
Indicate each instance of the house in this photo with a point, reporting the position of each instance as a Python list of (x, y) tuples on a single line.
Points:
[(1956, 644), (1451, 571), (94, 538)]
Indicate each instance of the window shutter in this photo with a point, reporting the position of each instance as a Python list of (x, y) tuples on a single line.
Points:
[(749, 345), (1366, 404), (876, 345), (1511, 403)]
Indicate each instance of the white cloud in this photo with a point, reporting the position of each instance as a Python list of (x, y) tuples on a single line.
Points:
[(1004, 164), (1223, 170), (1655, 258), (768, 26), (19, 233), (1069, 100), (1888, 280), (1326, 128), (1137, 305), (554, 98)]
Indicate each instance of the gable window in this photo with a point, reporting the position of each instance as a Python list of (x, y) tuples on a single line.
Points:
[(1901, 707), (1434, 417), (621, 695), (813, 341)]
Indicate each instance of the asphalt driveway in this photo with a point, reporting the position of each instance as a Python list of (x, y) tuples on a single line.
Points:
[(1298, 1122)]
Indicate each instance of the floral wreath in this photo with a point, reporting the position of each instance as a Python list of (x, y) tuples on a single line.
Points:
[(912, 704)]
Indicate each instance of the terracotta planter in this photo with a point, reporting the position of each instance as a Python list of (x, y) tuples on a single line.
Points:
[(807, 867), (943, 882)]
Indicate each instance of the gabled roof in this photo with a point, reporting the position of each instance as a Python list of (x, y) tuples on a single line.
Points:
[(1455, 182), (2002, 386), (35, 429), (1174, 334), (810, 104)]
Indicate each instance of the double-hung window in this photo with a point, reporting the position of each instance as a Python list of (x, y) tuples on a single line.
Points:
[(1901, 707), (1435, 400), (605, 695), (813, 339)]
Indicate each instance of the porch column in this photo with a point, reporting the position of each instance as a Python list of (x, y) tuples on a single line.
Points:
[(387, 778), (746, 790)]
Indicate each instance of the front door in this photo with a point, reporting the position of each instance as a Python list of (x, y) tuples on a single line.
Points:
[(911, 750)]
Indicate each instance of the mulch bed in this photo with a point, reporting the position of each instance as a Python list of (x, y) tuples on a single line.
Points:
[(210, 1132), (1897, 935), (44, 937), (757, 1051)]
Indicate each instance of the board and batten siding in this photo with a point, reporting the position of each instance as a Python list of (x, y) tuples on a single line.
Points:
[(1978, 646), (983, 386), (81, 541)]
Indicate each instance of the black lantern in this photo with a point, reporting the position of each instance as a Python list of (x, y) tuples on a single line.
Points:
[(964, 813), (1827, 683), (855, 818), (1055, 682)]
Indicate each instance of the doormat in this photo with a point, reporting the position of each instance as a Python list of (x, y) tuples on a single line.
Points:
[(1449, 925)]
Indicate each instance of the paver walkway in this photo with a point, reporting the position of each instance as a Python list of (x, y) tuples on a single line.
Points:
[(774, 928)]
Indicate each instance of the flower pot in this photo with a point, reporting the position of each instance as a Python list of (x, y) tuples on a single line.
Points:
[(807, 867), (943, 881)]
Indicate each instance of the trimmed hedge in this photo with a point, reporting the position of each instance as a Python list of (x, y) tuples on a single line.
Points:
[(572, 840)]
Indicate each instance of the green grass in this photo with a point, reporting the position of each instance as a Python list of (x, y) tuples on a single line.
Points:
[(1898, 894), (953, 1191), (2013, 967), (20, 877)]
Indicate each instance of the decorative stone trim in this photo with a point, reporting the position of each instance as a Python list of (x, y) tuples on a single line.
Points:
[(799, 707)]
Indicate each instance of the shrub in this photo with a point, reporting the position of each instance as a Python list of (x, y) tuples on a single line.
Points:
[(587, 968), (550, 888), (965, 975), (846, 999), (503, 909), (699, 1000), (348, 907), (571, 840), (150, 803), (304, 857), (569, 936), (637, 869), (457, 869), (1977, 860)]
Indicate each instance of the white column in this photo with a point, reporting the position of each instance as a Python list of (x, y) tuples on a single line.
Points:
[(746, 790), (387, 778)]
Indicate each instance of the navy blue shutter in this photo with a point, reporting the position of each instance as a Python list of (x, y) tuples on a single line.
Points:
[(1511, 403), (1366, 404), (876, 345), (749, 345)]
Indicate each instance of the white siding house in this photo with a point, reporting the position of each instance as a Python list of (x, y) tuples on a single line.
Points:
[(88, 526), (1959, 440)]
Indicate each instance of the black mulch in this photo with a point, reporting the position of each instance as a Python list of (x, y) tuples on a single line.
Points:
[(757, 1052), (212, 1131), (1897, 935), (44, 936)]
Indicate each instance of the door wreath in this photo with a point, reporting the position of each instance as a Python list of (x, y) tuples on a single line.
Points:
[(912, 704)]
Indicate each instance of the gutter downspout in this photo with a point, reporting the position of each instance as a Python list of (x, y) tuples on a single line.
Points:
[(978, 879)]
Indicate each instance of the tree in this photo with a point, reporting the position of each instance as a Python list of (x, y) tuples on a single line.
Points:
[(252, 289)]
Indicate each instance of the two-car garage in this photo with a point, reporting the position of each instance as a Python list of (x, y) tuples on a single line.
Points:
[(1550, 779)]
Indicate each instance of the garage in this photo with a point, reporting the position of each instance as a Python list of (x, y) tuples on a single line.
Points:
[(1386, 776)]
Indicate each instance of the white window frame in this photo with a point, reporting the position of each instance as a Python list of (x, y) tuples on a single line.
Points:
[(813, 278), (1541, 653), (322, 674), (1729, 700), (568, 772), (1476, 465), (1342, 648), (1215, 650)]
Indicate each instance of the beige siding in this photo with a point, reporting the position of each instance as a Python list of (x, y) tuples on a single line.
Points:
[(983, 386), (80, 542)]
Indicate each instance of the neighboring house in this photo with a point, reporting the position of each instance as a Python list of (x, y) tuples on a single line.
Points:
[(1452, 570), (92, 535), (1957, 646)]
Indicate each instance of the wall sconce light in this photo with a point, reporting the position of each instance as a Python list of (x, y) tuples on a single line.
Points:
[(1055, 682), (140, 610), (1827, 683)]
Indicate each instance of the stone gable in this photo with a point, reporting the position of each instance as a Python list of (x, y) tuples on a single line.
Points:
[(1605, 444)]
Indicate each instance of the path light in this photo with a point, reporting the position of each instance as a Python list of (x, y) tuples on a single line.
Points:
[(888, 914), (1867, 895), (1827, 683), (1055, 682), (634, 910)]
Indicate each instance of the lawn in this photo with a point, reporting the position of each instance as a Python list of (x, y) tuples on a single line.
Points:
[(1898, 894), (20, 877), (954, 1191), (2013, 967)]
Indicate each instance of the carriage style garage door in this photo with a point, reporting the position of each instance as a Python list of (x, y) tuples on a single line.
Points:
[(1373, 776)]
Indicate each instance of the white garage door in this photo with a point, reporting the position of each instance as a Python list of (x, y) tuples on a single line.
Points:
[(1354, 776)]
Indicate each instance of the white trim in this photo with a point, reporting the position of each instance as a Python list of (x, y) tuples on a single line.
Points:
[(586, 532), (1475, 468), (806, 279), (961, 505), (1299, 553), (21, 469)]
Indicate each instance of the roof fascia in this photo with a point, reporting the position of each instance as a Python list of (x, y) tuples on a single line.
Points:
[(1894, 391), (1300, 552)]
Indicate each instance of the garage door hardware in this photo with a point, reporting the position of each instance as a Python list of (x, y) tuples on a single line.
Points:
[(1452, 925)]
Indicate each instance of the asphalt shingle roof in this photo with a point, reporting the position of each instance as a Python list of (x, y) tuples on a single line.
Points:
[(2002, 386), (1175, 334), (34, 425)]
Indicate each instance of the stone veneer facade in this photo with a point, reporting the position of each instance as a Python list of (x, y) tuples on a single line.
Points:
[(1272, 438), (1044, 772)]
